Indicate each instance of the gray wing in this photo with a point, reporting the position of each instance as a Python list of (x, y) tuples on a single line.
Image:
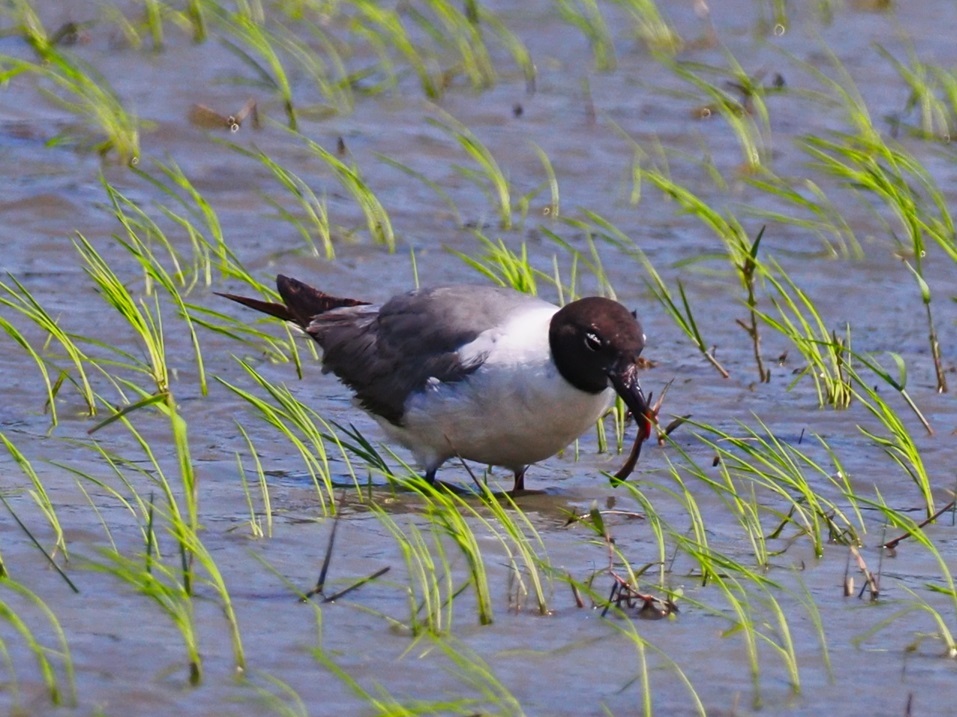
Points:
[(386, 353)]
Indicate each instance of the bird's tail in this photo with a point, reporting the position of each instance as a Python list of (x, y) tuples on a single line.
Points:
[(301, 302)]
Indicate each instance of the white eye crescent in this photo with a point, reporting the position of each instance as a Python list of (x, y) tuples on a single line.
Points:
[(592, 341)]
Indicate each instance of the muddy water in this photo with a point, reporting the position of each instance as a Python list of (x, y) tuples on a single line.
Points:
[(127, 656)]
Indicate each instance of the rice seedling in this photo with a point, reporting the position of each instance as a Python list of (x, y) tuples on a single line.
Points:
[(146, 324), (183, 520), (156, 274), (943, 81), (747, 273), (506, 267), (19, 299), (899, 383), (323, 65), (944, 586), (625, 594), (50, 558), (376, 216), (899, 444), (172, 588), (745, 593), (163, 585), (446, 35), (451, 27), (191, 16), (199, 221), (431, 587), (383, 27), (278, 696), (746, 115), (642, 646), (60, 688), (476, 673), (828, 356), (316, 462), (251, 10), (919, 604), (784, 471), (586, 17), (490, 695), (358, 445), (682, 315), (740, 500), (658, 528), (516, 532), (52, 389), (444, 516), (81, 90), (742, 253), (593, 227), (651, 26), (308, 431), (255, 47), (820, 215), (744, 623), (125, 471), (489, 177), (213, 577), (510, 41), (143, 231), (553, 209), (42, 499), (908, 192), (934, 117), (153, 10), (868, 165), (314, 208), (29, 24), (255, 523), (433, 185), (502, 266)]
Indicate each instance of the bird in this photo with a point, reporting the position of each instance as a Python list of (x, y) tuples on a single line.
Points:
[(483, 373)]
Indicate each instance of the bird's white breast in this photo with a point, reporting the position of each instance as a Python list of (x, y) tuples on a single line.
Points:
[(514, 410)]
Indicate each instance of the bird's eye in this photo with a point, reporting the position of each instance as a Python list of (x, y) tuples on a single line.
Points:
[(592, 341)]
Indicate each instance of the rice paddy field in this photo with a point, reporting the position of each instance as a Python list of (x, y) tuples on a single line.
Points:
[(197, 521)]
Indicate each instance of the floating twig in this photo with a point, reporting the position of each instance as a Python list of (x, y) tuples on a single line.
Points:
[(356, 585), (36, 542), (624, 596), (324, 570), (891, 544), (870, 581)]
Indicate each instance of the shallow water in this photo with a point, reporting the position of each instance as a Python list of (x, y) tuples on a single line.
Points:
[(129, 658)]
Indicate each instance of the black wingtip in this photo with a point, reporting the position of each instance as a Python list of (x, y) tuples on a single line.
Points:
[(301, 302), (280, 311), (306, 301)]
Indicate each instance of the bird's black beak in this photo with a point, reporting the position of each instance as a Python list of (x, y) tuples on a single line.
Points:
[(624, 379)]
